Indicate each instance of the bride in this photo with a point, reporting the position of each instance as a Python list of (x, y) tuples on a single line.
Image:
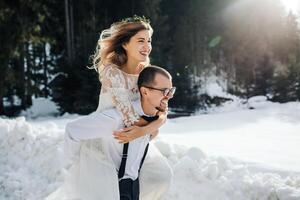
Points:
[(121, 53)]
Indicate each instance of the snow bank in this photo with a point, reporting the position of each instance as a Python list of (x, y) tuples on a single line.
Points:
[(200, 177), (32, 162), (31, 159), (41, 107)]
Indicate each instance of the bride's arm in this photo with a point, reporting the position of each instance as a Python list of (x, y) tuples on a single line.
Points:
[(128, 134), (114, 83)]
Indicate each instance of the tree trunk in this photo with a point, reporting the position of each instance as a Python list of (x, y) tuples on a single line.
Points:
[(68, 32), (2, 92), (72, 31), (22, 83), (45, 66), (28, 76), (35, 72)]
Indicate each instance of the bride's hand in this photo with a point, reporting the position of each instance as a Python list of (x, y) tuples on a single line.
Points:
[(126, 135)]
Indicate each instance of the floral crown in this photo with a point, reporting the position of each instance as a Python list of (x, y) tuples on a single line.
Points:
[(136, 18)]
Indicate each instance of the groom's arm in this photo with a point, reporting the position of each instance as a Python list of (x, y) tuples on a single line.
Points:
[(95, 125)]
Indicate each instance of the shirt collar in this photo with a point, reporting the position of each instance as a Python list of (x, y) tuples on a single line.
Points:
[(138, 106)]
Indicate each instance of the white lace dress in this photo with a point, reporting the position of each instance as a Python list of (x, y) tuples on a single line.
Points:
[(93, 175)]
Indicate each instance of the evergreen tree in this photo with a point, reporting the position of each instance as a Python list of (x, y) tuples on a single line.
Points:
[(46, 46)]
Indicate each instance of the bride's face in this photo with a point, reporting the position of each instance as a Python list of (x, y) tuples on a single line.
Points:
[(139, 46)]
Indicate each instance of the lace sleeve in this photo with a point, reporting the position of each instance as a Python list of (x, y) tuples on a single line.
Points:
[(114, 82)]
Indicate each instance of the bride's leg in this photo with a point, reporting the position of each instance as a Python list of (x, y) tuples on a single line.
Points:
[(156, 175)]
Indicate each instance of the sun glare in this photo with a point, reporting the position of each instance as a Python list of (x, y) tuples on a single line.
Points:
[(292, 5)]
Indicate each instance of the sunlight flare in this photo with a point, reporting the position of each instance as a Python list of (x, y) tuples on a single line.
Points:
[(292, 5)]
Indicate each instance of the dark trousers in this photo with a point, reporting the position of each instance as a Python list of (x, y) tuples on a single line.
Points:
[(129, 189)]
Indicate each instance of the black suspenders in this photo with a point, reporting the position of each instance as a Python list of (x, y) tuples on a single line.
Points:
[(125, 152), (123, 161)]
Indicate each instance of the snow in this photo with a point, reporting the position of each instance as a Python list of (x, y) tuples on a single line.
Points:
[(258, 135), (231, 153), (41, 107), (214, 87)]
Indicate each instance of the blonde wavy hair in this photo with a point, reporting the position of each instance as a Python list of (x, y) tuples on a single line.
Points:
[(109, 46)]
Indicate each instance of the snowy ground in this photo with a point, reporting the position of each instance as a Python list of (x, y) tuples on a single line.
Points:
[(232, 153)]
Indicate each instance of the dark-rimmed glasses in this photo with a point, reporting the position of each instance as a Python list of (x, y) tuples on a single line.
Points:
[(167, 92)]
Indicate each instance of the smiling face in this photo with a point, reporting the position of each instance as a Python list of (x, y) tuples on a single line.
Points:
[(155, 98), (139, 46)]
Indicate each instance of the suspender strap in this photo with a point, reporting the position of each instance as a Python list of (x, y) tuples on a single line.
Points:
[(125, 152), (123, 161), (144, 156)]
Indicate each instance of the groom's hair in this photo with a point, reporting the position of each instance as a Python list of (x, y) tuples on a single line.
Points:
[(147, 75)]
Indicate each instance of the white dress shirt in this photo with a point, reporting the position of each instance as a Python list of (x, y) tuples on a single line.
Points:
[(101, 125)]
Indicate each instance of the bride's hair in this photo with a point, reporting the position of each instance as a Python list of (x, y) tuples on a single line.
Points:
[(109, 47)]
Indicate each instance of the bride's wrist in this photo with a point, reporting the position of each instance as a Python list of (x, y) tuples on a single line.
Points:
[(143, 130)]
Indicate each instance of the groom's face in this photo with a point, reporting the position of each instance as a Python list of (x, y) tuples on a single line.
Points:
[(155, 95)]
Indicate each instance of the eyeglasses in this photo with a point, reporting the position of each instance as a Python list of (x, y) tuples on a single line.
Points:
[(167, 92)]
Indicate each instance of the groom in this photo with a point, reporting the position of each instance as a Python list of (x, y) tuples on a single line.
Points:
[(155, 86)]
